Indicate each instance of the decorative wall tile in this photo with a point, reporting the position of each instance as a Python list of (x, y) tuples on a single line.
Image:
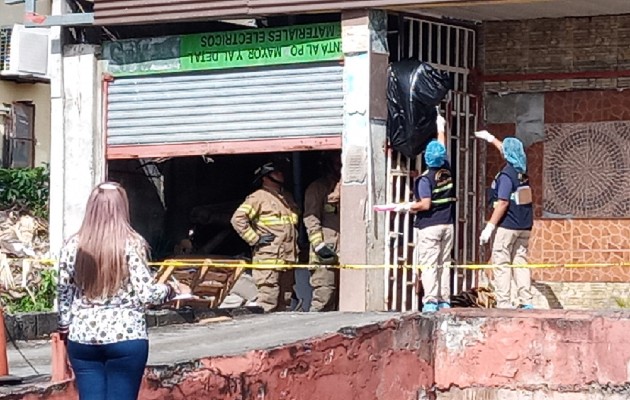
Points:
[(586, 170), (583, 241)]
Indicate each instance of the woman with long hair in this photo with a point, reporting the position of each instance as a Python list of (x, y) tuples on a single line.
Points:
[(104, 286)]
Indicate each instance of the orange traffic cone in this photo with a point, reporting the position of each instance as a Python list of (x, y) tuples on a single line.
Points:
[(4, 364), (61, 371), (5, 378)]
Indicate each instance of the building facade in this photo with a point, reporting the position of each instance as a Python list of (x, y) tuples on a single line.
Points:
[(24, 90), (550, 74)]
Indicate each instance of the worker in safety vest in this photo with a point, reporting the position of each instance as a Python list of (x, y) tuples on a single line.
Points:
[(321, 219), (511, 198), (267, 221), (434, 207)]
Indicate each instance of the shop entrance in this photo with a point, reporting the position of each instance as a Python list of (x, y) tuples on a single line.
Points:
[(183, 205)]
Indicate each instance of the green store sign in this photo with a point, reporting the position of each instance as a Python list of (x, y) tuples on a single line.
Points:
[(223, 50)]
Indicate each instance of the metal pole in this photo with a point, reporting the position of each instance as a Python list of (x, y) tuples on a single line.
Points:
[(303, 289)]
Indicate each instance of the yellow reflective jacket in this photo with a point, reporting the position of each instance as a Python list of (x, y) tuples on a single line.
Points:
[(321, 213), (266, 211)]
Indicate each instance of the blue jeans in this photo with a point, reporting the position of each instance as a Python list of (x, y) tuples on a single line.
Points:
[(109, 371)]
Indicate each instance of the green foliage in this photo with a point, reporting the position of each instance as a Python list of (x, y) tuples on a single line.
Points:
[(41, 297), (26, 189), (623, 303)]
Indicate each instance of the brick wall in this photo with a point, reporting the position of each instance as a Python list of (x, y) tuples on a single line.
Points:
[(579, 46), (577, 147)]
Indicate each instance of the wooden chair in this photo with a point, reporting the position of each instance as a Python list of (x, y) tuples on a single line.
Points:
[(208, 283)]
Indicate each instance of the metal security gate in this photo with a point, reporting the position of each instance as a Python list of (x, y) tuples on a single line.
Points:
[(450, 48), (247, 104)]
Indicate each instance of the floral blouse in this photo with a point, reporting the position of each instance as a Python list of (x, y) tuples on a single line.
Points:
[(114, 319)]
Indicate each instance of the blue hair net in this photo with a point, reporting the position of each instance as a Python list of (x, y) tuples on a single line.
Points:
[(435, 154), (514, 154)]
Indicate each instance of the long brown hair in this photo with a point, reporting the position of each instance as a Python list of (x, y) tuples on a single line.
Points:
[(101, 266)]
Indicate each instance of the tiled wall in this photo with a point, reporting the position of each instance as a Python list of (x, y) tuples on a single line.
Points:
[(574, 240)]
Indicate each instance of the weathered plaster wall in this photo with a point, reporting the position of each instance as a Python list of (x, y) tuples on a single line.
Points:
[(456, 355), (553, 351)]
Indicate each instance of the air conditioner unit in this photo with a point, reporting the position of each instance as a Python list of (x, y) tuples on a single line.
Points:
[(27, 52)]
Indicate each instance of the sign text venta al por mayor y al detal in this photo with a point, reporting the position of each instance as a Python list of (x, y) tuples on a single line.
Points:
[(250, 48), (224, 50)]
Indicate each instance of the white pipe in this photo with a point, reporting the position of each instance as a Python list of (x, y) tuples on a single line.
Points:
[(475, 199), (397, 198), (387, 238)]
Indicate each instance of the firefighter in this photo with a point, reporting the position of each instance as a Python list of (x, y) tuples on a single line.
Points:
[(434, 223), (321, 219), (267, 221), (511, 198)]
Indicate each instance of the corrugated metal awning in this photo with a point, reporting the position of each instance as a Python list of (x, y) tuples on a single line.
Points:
[(304, 101), (115, 12)]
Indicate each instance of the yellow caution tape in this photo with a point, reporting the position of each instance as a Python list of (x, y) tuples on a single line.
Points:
[(185, 263)]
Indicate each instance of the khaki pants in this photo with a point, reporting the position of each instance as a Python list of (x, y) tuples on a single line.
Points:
[(272, 287), (510, 247), (432, 251), (323, 284)]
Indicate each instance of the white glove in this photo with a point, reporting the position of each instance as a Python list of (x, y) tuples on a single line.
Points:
[(403, 207), (485, 135), (486, 234), (441, 123)]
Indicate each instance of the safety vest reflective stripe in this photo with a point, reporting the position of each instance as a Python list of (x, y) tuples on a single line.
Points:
[(248, 210), (249, 235), (444, 201), (283, 220), (443, 188), (269, 261), (316, 238)]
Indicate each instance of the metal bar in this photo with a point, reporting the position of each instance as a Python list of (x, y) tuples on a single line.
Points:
[(77, 19), (411, 41), (387, 238), (423, 43), (458, 207), (457, 50), (439, 23), (469, 208), (475, 198), (406, 236), (448, 45), (474, 50), (12, 2), (104, 111), (467, 172), (438, 44), (430, 45), (401, 39), (466, 48), (223, 147), (415, 300), (396, 170)]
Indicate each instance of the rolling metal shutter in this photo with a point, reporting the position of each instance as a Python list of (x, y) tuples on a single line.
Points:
[(278, 102)]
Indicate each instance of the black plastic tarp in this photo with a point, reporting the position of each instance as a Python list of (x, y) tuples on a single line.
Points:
[(414, 90)]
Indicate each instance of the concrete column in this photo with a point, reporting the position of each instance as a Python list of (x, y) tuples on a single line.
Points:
[(366, 56), (55, 68), (78, 146)]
